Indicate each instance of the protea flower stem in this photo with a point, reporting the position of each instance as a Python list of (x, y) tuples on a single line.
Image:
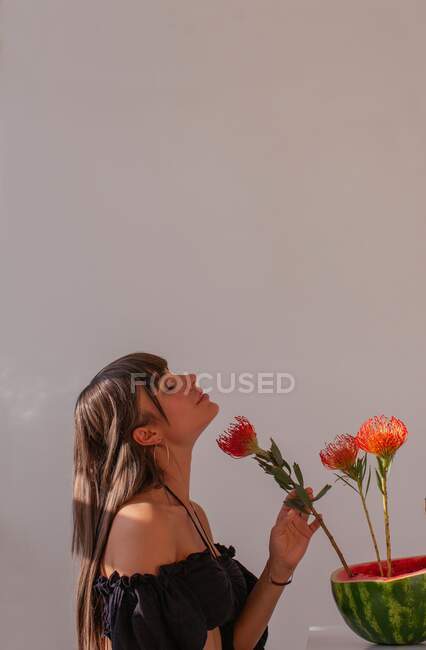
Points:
[(332, 540), (370, 525), (387, 526)]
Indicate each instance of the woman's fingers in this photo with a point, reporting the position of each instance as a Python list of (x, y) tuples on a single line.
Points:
[(302, 527), (310, 493), (293, 494), (315, 524), (283, 513), (290, 495)]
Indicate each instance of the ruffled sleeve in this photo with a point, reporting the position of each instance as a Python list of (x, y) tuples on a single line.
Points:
[(175, 609), (227, 630), (151, 612)]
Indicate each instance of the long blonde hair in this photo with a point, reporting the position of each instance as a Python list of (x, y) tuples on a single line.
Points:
[(110, 467)]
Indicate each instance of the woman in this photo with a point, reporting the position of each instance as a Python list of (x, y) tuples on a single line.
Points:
[(151, 577)]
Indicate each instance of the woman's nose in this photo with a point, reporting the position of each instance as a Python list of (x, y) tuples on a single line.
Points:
[(189, 380)]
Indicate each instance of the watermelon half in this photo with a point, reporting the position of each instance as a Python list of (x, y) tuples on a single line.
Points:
[(386, 611)]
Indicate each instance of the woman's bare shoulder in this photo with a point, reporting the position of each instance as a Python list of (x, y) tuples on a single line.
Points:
[(141, 528), (146, 507)]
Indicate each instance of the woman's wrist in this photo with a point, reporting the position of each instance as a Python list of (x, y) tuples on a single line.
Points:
[(279, 572)]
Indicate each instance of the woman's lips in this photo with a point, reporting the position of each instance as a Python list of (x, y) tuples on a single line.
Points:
[(202, 397)]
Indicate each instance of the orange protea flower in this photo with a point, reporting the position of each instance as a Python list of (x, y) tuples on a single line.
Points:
[(381, 435), (340, 454), (240, 438)]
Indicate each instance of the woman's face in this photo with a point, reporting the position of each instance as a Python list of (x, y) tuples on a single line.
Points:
[(188, 416)]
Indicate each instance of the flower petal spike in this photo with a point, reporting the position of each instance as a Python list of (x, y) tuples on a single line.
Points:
[(239, 439)]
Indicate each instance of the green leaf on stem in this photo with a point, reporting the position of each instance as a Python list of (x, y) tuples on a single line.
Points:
[(265, 466), (276, 454), (287, 466), (282, 477), (298, 473), (262, 453), (345, 481), (368, 481), (379, 481), (383, 466), (282, 484), (301, 493), (321, 493), (364, 465), (358, 467), (284, 473)]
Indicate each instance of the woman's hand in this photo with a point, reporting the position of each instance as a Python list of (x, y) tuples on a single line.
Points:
[(289, 538)]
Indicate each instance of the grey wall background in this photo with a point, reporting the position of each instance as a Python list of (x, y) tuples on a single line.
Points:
[(238, 186)]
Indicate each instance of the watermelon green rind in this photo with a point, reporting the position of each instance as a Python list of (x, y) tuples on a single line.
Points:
[(385, 611)]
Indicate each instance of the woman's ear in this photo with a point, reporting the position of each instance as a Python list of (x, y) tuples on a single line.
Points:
[(146, 436)]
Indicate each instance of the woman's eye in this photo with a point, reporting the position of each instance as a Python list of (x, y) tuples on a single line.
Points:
[(170, 386)]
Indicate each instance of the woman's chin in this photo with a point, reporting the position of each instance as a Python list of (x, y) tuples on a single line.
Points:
[(213, 407)]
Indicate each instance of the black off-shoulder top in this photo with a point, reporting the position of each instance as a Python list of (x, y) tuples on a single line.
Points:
[(174, 609)]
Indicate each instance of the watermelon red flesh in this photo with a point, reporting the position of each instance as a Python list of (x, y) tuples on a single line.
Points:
[(384, 610)]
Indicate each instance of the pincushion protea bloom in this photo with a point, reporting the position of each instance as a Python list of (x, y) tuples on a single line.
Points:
[(340, 454), (382, 436), (240, 438)]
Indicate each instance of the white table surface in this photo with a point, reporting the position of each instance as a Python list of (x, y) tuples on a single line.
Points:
[(341, 637)]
